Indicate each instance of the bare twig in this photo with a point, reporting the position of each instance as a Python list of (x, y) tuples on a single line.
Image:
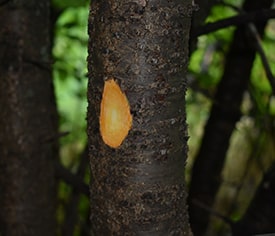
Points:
[(212, 212), (55, 137), (243, 18), (71, 179), (259, 48), (262, 54), (71, 216)]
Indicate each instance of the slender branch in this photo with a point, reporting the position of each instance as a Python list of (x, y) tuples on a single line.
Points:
[(259, 48), (262, 54), (71, 179), (232, 6), (56, 136), (212, 212), (243, 18), (71, 215)]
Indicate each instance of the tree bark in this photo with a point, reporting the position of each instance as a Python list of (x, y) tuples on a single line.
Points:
[(207, 168), (28, 121), (139, 187)]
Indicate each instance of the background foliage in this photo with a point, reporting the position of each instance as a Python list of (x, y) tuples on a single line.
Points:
[(70, 40), (252, 146)]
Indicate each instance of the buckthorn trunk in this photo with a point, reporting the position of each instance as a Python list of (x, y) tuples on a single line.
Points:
[(137, 185)]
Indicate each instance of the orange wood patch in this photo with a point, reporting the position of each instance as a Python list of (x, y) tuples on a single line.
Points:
[(115, 117)]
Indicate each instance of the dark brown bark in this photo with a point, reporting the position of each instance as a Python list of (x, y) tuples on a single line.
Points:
[(207, 168), (259, 217), (139, 188), (28, 121)]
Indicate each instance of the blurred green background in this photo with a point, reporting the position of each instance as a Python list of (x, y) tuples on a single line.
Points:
[(254, 133)]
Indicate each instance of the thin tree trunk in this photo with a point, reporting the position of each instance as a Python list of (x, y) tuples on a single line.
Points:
[(138, 188), (28, 121), (206, 172)]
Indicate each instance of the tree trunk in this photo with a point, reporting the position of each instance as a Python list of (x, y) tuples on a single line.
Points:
[(207, 168), (138, 188), (28, 121)]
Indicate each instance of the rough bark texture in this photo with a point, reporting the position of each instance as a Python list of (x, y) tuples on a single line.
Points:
[(224, 115), (139, 188), (259, 217), (28, 121)]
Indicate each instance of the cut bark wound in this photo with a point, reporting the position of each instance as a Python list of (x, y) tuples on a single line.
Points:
[(115, 116)]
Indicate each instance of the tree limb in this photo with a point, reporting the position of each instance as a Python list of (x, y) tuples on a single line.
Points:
[(71, 179), (243, 18), (262, 54), (71, 211)]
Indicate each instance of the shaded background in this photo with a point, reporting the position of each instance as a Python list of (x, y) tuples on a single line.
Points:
[(248, 150), (251, 149)]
